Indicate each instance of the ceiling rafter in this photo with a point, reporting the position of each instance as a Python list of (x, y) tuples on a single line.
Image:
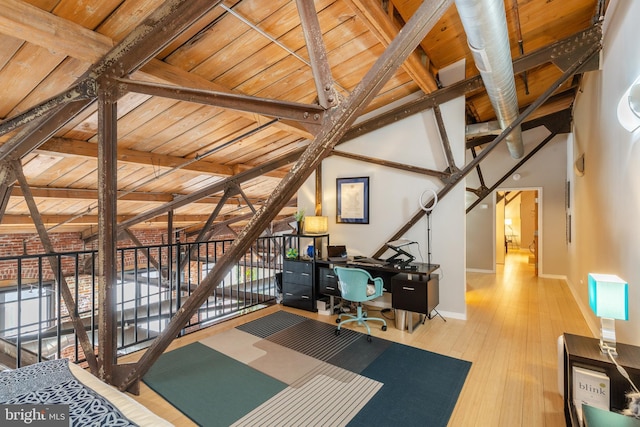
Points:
[(305, 113), (377, 20)]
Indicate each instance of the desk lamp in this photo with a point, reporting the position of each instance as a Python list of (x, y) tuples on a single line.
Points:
[(609, 300), (316, 225)]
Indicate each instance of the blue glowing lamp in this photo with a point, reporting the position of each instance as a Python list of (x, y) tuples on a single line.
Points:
[(609, 300)]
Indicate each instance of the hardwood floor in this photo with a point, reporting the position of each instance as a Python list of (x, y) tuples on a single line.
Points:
[(510, 336)]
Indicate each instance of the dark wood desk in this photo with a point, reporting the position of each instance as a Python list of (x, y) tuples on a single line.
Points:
[(415, 291), (387, 272)]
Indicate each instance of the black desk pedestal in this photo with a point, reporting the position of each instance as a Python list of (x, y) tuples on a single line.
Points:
[(415, 293)]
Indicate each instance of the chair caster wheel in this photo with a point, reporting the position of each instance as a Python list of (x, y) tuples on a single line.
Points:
[(384, 327), (337, 332), (369, 338)]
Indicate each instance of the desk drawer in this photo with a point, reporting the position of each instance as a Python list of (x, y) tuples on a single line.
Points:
[(299, 296), (298, 272), (327, 282), (410, 295)]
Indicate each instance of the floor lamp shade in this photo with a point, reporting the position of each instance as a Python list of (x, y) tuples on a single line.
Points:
[(316, 224), (609, 300)]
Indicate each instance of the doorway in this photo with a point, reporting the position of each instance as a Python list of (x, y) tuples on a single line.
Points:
[(517, 226)]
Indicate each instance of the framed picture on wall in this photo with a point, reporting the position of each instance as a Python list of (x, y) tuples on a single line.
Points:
[(352, 200)]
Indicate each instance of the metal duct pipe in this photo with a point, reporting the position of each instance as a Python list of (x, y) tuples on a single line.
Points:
[(485, 24)]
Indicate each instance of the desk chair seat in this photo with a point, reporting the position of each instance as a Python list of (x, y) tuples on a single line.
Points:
[(354, 284)]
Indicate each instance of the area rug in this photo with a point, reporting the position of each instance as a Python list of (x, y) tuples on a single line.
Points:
[(285, 369)]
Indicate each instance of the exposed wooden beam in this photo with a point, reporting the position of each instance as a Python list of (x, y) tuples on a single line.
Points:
[(82, 194), (72, 147), (395, 165), (54, 262), (88, 220), (377, 20), (325, 88), (26, 22), (107, 261), (305, 113)]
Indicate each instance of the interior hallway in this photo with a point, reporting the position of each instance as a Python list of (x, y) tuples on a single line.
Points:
[(514, 320)]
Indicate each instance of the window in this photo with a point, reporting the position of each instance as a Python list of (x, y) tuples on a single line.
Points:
[(34, 312)]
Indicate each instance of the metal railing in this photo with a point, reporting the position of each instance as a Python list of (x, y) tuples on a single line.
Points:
[(153, 282)]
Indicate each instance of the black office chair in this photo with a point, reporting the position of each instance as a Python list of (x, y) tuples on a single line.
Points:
[(355, 286)]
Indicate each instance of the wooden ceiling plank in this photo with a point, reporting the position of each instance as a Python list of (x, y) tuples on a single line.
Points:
[(28, 67), (216, 67), (380, 24), (200, 139), (8, 48)]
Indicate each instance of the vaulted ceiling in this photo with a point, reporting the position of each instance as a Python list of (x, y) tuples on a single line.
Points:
[(213, 109)]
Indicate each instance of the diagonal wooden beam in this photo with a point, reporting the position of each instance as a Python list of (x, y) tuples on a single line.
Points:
[(327, 94), (395, 165), (378, 22), (7, 178), (336, 124), (67, 296), (445, 140)]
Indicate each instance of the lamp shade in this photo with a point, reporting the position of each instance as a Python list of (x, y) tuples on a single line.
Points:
[(609, 296), (316, 224)]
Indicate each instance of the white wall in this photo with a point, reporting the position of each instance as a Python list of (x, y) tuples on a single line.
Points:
[(545, 171), (394, 196), (606, 204)]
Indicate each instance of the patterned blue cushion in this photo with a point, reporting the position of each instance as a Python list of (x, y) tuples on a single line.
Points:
[(53, 383)]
